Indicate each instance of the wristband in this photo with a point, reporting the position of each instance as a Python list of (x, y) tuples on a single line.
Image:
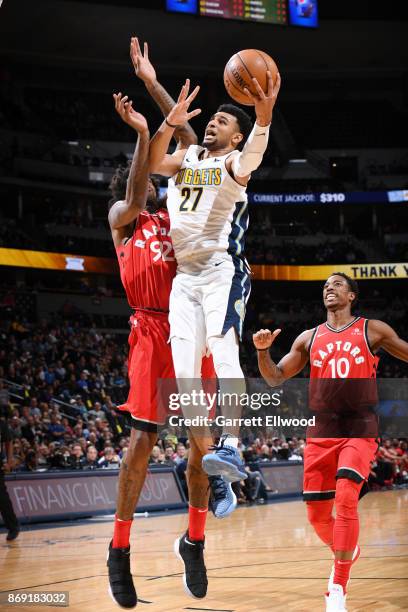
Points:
[(261, 350), (170, 125)]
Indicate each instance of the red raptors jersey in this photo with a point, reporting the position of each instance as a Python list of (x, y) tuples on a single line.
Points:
[(342, 353), (147, 263)]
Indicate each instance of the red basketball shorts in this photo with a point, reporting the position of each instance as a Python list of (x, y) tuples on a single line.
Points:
[(149, 361), (327, 459)]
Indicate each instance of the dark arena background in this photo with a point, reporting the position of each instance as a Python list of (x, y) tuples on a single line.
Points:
[(330, 195)]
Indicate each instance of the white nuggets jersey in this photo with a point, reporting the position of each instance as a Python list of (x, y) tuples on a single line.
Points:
[(208, 208)]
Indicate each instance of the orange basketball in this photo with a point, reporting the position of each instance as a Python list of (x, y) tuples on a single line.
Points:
[(242, 67)]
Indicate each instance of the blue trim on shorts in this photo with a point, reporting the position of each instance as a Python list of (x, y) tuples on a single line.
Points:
[(239, 225), (238, 297), (241, 283)]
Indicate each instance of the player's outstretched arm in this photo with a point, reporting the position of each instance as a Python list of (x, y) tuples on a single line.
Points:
[(160, 161), (250, 158), (381, 335), (144, 69), (125, 212), (290, 365)]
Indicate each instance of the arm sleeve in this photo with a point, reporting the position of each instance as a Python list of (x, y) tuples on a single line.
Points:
[(250, 158)]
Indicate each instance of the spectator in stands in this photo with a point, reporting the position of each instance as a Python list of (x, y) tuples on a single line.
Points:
[(109, 460), (60, 458), (91, 459), (92, 436), (249, 454), (56, 429), (43, 458), (181, 453), (254, 487), (82, 441), (31, 463), (265, 453), (168, 456), (76, 457), (78, 430), (296, 451), (156, 456), (29, 430), (80, 406), (381, 474), (123, 444), (67, 427), (96, 411), (17, 448), (60, 370), (284, 452), (35, 409), (45, 415), (275, 448), (15, 427), (83, 383)]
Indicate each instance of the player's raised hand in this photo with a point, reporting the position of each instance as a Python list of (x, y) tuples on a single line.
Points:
[(264, 102), (264, 338), (127, 113), (179, 114), (143, 67)]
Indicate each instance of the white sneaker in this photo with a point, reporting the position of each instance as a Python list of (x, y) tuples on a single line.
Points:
[(335, 599), (355, 557)]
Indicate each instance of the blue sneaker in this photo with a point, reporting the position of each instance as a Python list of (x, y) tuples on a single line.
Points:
[(226, 462), (223, 500)]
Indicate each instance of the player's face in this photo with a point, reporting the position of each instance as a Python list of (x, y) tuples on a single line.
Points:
[(336, 293), (222, 131)]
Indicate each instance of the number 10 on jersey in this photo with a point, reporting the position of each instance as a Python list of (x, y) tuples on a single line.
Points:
[(191, 198)]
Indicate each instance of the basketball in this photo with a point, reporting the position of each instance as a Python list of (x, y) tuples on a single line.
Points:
[(242, 67)]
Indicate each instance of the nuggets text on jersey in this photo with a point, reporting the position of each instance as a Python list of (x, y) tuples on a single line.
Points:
[(204, 176)]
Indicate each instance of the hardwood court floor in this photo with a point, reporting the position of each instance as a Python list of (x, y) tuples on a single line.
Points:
[(260, 559)]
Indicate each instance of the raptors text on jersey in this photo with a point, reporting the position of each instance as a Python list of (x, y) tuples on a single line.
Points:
[(342, 353), (147, 263)]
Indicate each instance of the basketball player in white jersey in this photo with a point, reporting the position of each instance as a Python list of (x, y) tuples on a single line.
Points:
[(208, 208)]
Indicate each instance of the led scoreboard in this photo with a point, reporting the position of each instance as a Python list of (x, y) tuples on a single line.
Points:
[(266, 11), (302, 13)]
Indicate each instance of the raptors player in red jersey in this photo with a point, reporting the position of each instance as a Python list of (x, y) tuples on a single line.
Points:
[(345, 346), (140, 232)]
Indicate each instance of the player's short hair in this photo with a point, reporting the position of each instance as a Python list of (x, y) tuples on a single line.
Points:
[(243, 119), (353, 286), (118, 183)]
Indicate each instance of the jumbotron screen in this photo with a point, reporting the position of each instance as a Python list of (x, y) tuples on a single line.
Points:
[(182, 6), (303, 13), (263, 11)]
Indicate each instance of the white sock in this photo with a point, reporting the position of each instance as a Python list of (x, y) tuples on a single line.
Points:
[(231, 441)]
